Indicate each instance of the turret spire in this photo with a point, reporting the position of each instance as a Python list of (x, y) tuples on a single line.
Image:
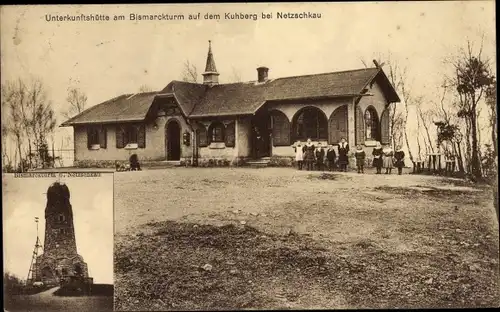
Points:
[(210, 76)]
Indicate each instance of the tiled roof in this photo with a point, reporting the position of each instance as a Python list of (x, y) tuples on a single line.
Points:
[(126, 107), (247, 97), (198, 100), (186, 93)]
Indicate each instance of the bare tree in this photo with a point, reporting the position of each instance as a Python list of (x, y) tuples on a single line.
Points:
[(190, 73), (425, 118), (145, 88), (396, 115), (77, 101), (472, 79), (419, 147), (491, 101), (450, 131), (398, 121), (236, 76), (43, 121), (31, 115), (13, 100)]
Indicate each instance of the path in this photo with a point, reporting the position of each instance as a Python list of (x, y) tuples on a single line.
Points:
[(47, 301)]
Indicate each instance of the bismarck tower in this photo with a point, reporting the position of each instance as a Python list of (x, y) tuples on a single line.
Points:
[(60, 259)]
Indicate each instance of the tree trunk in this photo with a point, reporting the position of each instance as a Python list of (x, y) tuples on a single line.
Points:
[(476, 168), (493, 134), (29, 153), (431, 148), (21, 164), (467, 155), (406, 136), (460, 161)]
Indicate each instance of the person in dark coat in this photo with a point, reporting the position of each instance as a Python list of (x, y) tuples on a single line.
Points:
[(399, 156), (134, 163), (330, 158), (257, 137), (343, 158), (320, 157), (309, 154), (360, 159), (377, 157)]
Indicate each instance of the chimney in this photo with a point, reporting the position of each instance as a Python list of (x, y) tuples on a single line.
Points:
[(262, 73)]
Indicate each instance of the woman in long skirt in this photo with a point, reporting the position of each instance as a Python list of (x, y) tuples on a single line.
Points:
[(388, 159), (377, 157), (343, 158), (309, 154)]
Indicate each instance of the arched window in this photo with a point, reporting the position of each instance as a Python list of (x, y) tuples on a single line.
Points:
[(310, 122), (78, 270), (47, 272), (216, 132), (372, 124)]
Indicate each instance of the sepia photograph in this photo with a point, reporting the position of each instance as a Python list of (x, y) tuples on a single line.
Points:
[(265, 155), (57, 242)]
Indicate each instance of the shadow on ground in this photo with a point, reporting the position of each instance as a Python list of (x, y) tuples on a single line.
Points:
[(192, 266), (105, 290)]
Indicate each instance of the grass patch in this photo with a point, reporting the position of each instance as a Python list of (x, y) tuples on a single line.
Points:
[(460, 195), (190, 266), (328, 176), (105, 290), (26, 290)]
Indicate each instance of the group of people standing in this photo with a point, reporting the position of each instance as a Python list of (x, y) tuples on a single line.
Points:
[(315, 157), (387, 158)]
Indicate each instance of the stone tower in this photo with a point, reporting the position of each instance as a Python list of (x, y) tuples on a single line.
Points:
[(60, 257)]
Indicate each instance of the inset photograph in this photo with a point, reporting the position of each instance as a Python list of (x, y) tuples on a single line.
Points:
[(58, 241)]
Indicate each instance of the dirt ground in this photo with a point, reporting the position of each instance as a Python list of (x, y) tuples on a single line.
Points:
[(47, 301), (242, 238)]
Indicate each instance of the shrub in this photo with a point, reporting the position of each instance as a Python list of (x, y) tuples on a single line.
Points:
[(280, 161), (490, 165), (238, 161)]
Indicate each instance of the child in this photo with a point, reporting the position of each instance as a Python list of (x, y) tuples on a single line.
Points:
[(320, 156), (360, 159), (388, 159), (377, 157), (299, 155), (330, 157), (309, 154), (134, 163), (343, 158), (400, 159)]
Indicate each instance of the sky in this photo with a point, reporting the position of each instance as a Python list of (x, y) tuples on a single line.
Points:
[(92, 203), (106, 59)]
